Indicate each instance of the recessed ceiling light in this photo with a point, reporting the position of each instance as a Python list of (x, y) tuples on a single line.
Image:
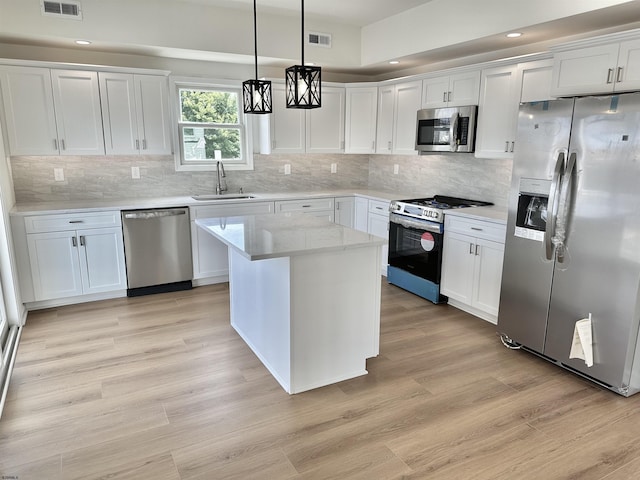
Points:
[(394, 62), (514, 35), (83, 42)]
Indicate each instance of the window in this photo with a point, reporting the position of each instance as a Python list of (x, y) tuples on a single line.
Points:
[(211, 126)]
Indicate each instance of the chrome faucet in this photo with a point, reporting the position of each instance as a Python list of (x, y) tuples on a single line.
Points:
[(221, 184)]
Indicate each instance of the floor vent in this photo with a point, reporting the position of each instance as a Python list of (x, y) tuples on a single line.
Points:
[(67, 9), (320, 39)]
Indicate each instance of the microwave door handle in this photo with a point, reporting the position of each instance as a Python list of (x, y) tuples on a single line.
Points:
[(453, 132)]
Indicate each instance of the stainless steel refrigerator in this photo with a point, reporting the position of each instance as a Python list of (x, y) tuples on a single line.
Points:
[(573, 236)]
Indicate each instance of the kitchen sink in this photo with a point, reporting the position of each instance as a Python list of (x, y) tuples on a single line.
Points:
[(213, 196)]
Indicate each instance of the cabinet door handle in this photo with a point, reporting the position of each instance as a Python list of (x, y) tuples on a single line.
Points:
[(55, 144), (610, 75), (63, 145), (444, 96), (389, 145), (477, 250), (137, 144), (449, 97), (477, 229), (74, 241), (144, 143), (306, 206), (512, 145), (471, 249), (76, 221), (506, 146), (619, 75), (82, 242)]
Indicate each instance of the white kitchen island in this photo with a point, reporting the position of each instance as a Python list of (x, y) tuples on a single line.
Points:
[(304, 293)]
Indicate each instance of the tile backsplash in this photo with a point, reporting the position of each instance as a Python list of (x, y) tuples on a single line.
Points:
[(109, 177)]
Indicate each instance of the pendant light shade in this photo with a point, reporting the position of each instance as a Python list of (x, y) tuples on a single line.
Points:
[(303, 81), (256, 94)]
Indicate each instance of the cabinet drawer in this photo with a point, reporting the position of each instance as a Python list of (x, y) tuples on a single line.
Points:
[(476, 228), (307, 205), (71, 221), (229, 210), (379, 207)]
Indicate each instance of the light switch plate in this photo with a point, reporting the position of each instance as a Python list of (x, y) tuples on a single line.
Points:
[(58, 174), (287, 169), (135, 172), (396, 169), (334, 168)]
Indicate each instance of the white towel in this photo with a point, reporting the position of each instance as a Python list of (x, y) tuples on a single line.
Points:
[(582, 345)]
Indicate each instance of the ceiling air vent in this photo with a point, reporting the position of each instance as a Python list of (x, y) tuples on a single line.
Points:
[(320, 39), (67, 9)]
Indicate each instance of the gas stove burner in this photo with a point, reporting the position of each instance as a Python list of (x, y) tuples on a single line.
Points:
[(432, 208)]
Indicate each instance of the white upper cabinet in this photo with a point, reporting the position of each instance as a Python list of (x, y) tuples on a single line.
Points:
[(534, 79), (27, 98), (497, 112), (325, 125), (135, 114), (604, 68), (76, 98), (361, 117), (397, 109), (294, 130), (451, 91)]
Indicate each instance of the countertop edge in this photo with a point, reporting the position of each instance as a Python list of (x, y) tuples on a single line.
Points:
[(488, 214)]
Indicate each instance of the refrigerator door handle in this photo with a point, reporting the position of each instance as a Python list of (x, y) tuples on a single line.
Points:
[(565, 203), (552, 206)]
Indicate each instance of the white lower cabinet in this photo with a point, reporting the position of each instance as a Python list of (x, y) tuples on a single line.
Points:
[(378, 225), (210, 255), (344, 211), (68, 261), (472, 265)]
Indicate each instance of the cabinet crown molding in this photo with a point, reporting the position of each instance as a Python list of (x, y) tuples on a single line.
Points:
[(595, 41)]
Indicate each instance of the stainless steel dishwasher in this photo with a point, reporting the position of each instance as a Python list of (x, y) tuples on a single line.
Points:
[(157, 248)]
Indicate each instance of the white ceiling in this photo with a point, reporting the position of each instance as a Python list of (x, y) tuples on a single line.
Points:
[(115, 30), (351, 12)]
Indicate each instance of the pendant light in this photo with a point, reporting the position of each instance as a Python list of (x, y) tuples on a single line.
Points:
[(303, 81), (256, 93)]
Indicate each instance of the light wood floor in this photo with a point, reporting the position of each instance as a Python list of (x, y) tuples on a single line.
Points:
[(160, 387)]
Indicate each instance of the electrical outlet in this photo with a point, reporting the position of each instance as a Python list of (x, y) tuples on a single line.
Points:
[(334, 168), (396, 169), (58, 174), (287, 169), (135, 172)]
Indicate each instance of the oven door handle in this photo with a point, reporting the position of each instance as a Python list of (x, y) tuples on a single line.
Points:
[(425, 225)]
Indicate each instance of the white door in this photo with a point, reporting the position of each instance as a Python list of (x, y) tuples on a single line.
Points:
[(154, 123), (534, 79), (458, 257), (287, 124), (345, 211), (584, 71), (361, 118), (628, 72), (435, 92), (488, 275), (464, 89), (378, 225), (497, 113), (384, 129), (54, 263), (117, 95), (407, 104), (28, 107), (325, 125), (102, 266), (78, 116)]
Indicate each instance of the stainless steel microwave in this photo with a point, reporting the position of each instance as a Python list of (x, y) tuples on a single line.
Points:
[(448, 129)]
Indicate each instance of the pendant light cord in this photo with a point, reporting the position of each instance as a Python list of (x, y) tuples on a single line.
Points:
[(302, 32), (255, 38)]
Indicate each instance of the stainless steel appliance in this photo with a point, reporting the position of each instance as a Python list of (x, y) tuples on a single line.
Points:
[(573, 237), (416, 229), (157, 246), (450, 129)]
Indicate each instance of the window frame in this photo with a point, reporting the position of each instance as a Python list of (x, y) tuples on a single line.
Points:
[(244, 126)]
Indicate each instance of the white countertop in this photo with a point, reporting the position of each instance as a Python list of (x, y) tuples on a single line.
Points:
[(259, 237), (488, 214), (78, 206)]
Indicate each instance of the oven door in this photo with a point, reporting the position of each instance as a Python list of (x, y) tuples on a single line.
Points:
[(415, 246)]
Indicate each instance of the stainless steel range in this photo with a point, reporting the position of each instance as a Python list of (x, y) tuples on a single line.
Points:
[(416, 230)]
